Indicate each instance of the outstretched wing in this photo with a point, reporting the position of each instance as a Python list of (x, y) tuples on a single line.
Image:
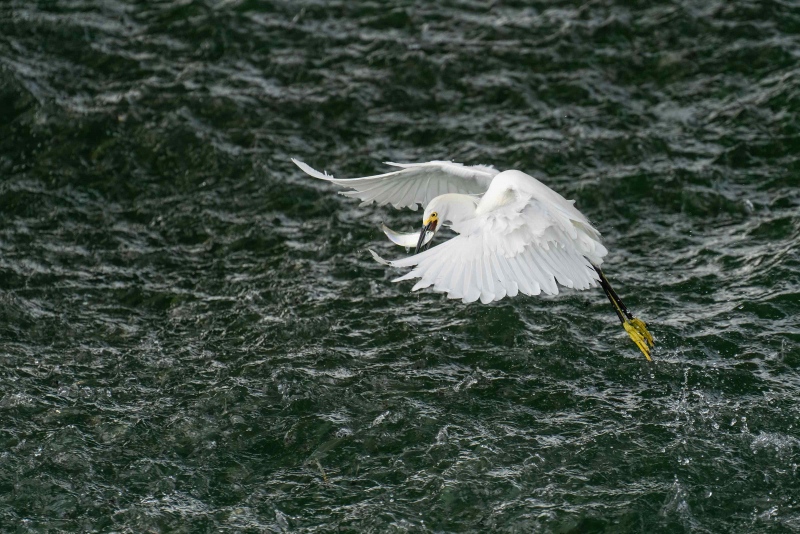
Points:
[(525, 246), (414, 183)]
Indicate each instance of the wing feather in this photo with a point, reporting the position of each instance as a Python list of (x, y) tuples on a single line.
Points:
[(403, 192), (499, 279), (457, 280), (533, 271), (569, 266), (488, 279), (470, 290), (479, 283), (551, 258), (512, 284), (522, 279), (414, 184), (446, 275), (547, 279)]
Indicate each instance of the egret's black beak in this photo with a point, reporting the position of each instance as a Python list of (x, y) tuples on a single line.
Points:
[(421, 245)]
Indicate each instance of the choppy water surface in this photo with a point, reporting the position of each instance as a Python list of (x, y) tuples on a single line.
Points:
[(194, 338)]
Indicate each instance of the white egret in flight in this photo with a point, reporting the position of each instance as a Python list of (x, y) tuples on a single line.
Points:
[(516, 235)]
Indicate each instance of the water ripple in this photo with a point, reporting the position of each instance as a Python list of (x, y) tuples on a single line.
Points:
[(195, 338)]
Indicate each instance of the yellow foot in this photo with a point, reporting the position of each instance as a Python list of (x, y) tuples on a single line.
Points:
[(637, 329)]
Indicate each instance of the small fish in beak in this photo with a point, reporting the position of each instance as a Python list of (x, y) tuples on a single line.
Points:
[(404, 240)]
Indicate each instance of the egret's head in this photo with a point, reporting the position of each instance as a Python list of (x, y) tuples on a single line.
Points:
[(449, 208), (432, 218), (430, 223)]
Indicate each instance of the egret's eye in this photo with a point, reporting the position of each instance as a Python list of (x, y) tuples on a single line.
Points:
[(434, 214)]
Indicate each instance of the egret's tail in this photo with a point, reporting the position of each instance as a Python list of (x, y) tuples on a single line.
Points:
[(636, 328)]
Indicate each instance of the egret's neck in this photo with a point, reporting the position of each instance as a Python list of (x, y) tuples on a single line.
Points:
[(454, 207)]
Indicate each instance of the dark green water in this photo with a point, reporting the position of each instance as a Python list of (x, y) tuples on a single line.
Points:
[(192, 332)]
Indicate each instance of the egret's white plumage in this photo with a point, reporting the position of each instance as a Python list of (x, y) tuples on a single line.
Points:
[(519, 236), (515, 234)]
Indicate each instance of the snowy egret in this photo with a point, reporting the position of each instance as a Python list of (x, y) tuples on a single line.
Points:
[(516, 235)]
